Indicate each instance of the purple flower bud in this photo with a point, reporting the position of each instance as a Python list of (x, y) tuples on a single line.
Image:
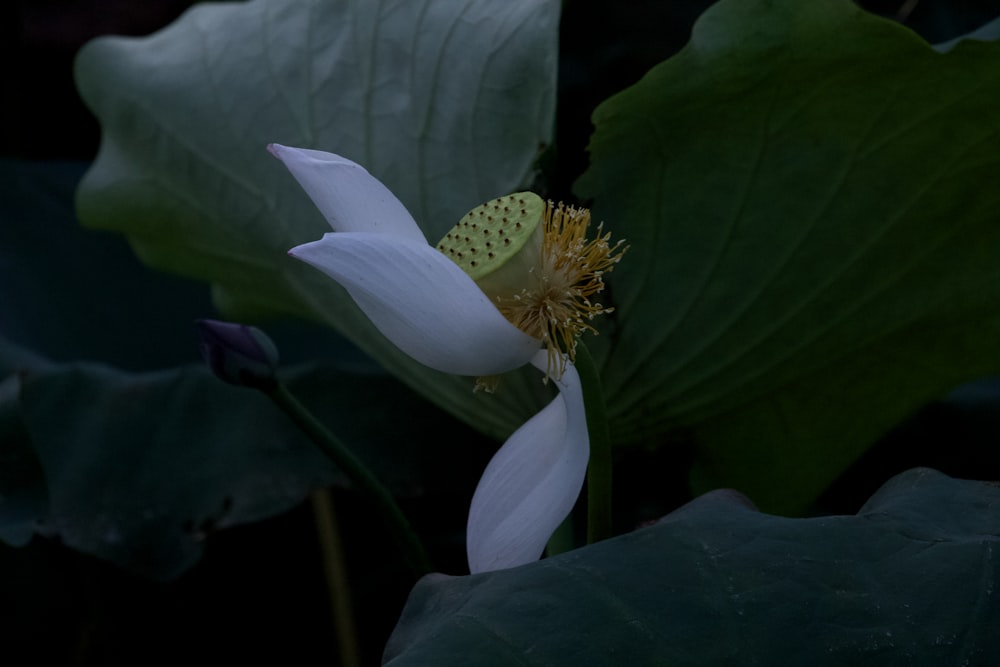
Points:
[(238, 354)]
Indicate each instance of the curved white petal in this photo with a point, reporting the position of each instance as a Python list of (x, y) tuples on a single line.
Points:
[(422, 302), (351, 199), (532, 482)]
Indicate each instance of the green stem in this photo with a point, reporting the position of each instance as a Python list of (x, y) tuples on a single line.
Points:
[(599, 468), (562, 540), (338, 583), (364, 481)]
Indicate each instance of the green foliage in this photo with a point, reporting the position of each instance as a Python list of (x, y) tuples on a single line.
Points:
[(911, 579), (809, 195), (812, 247), (136, 468), (446, 102), (140, 468), (807, 192)]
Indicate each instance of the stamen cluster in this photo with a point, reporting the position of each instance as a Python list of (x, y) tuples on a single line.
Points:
[(555, 305)]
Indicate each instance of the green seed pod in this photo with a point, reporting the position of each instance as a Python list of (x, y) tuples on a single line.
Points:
[(489, 236)]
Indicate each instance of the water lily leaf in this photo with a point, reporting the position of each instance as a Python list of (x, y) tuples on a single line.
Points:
[(809, 192), (140, 468), (911, 579), (448, 102)]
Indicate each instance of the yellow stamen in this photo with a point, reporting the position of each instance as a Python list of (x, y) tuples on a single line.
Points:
[(533, 259), (555, 303), (486, 383)]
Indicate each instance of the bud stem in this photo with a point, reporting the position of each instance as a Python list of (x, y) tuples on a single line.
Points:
[(364, 481)]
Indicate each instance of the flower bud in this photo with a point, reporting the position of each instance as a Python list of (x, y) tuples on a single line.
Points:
[(238, 354)]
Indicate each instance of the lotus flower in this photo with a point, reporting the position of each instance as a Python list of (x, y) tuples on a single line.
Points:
[(526, 304)]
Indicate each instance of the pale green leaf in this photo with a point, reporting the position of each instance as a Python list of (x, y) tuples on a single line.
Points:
[(447, 101)]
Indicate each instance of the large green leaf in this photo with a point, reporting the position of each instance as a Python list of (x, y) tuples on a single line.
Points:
[(446, 101), (912, 579), (139, 468), (811, 197)]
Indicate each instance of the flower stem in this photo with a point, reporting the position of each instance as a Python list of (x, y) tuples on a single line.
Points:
[(562, 539), (599, 468), (337, 579), (364, 481)]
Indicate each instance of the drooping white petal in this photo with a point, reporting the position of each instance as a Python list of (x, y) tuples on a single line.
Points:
[(351, 199), (532, 482), (422, 302)]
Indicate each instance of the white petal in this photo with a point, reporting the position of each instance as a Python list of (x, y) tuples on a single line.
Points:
[(532, 482), (422, 302), (351, 199)]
